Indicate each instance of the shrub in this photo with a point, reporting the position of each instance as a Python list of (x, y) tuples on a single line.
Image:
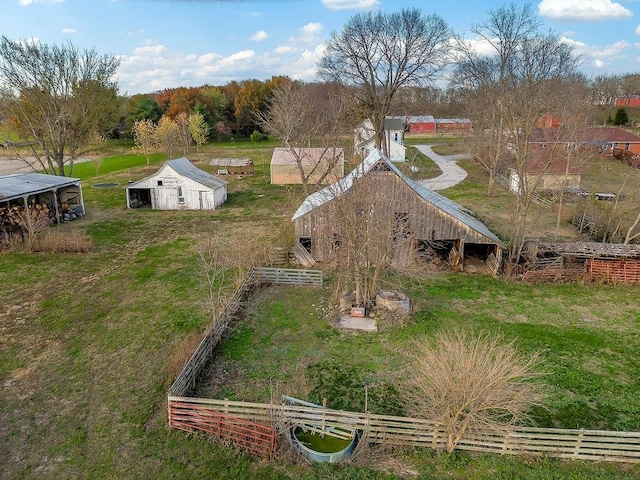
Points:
[(257, 136), (621, 117), (469, 384)]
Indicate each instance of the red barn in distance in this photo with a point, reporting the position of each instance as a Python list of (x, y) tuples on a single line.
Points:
[(429, 124), (628, 101)]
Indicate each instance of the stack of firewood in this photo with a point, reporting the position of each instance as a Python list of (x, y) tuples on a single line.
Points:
[(16, 215)]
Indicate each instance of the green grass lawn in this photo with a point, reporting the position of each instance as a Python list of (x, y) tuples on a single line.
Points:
[(91, 343)]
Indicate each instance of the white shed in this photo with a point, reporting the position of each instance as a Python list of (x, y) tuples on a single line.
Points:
[(178, 185)]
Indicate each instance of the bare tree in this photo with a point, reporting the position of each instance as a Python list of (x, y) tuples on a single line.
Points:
[(470, 385), (605, 89), (56, 98), (184, 131), (370, 235), (381, 53), (487, 80), (632, 233), (303, 116), (523, 78)]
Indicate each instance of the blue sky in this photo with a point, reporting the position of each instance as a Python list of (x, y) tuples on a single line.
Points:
[(171, 43)]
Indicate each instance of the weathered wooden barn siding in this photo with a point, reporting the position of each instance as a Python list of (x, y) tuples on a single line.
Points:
[(389, 195)]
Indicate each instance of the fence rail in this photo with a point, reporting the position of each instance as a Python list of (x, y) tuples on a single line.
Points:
[(570, 444), (186, 381), (251, 436), (614, 271), (288, 276)]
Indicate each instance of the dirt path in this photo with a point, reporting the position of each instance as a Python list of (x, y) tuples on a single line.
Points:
[(10, 165), (451, 175)]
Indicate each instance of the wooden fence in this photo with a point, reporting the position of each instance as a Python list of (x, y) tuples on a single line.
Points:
[(390, 430), (288, 276), (186, 381), (253, 437), (614, 271)]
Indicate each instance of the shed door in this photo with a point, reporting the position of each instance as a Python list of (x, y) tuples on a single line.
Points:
[(165, 198)]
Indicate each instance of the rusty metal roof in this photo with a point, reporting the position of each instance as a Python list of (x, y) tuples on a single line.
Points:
[(20, 185)]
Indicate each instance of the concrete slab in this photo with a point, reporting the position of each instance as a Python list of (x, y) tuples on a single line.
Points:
[(366, 324)]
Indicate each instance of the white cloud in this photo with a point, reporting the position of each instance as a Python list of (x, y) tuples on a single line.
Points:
[(481, 46), (637, 32), (582, 10), (305, 67), (284, 49), (351, 4), (68, 30), (259, 36), (600, 56), (149, 50), (152, 67), (310, 33)]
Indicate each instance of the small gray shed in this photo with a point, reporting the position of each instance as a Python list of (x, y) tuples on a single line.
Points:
[(178, 185)]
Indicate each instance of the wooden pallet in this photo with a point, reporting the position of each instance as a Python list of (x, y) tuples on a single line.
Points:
[(303, 256)]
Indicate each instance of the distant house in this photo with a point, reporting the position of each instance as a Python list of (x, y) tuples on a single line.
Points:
[(232, 166), (547, 169), (178, 185), (549, 120), (61, 195), (365, 141), (321, 165), (408, 215), (628, 101), (605, 140)]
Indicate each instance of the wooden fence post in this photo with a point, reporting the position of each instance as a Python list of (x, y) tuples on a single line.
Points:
[(576, 450)]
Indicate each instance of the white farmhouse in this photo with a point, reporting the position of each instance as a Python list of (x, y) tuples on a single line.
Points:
[(178, 185), (364, 138)]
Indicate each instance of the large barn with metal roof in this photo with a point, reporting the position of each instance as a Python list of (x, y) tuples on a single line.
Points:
[(178, 185), (407, 218)]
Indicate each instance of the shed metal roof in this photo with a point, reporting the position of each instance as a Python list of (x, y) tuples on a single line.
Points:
[(447, 206), (20, 185), (307, 155), (183, 167), (231, 162)]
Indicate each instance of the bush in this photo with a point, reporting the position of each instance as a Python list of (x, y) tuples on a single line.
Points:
[(621, 117), (257, 136), (470, 384)]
